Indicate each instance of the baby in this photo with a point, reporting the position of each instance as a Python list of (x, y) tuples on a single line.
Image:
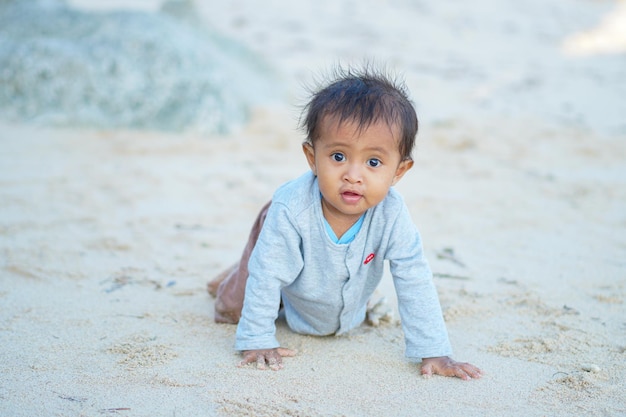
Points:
[(317, 250)]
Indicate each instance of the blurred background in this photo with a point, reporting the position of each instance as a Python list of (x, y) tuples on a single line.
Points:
[(139, 138), (182, 65)]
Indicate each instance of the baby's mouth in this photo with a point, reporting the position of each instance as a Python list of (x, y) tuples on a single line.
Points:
[(350, 197)]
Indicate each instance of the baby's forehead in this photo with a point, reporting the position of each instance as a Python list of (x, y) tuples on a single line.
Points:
[(379, 135), (330, 125)]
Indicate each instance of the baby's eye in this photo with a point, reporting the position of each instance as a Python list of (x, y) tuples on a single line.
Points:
[(338, 156), (374, 162)]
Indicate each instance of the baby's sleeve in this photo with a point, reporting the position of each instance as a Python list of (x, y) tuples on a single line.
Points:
[(276, 261), (424, 328)]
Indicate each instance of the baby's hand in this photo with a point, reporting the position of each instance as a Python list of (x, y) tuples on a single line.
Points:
[(447, 367), (272, 357)]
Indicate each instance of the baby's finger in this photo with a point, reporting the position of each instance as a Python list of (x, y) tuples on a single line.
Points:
[(459, 372), (275, 363), (427, 371), (248, 358), (466, 371), (260, 362), (472, 371), (286, 352)]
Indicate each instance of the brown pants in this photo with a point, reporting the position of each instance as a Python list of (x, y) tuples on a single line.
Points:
[(229, 287)]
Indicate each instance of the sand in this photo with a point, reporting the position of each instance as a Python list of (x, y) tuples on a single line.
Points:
[(109, 237)]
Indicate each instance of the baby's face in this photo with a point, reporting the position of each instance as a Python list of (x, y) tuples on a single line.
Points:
[(355, 169)]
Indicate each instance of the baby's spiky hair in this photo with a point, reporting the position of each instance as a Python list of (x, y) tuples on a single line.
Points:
[(365, 96)]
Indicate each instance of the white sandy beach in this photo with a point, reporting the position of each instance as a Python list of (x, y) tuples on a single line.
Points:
[(108, 237)]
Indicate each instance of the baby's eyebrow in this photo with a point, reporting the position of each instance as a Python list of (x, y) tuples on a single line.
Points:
[(379, 149), (339, 144), (336, 144)]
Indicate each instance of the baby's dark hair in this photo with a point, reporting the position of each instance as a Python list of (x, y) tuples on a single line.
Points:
[(364, 96)]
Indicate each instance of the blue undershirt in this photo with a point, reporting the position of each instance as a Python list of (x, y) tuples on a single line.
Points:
[(349, 235)]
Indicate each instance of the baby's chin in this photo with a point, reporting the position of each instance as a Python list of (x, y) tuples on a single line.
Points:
[(339, 208)]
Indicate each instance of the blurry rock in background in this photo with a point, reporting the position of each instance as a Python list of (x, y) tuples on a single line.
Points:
[(125, 69)]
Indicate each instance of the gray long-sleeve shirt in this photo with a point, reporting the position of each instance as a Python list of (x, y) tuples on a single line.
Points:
[(325, 286)]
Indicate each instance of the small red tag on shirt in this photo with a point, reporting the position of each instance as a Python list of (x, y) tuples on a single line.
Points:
[(368, 259)]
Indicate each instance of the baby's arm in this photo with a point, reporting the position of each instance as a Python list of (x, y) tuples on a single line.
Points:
[(272, 357), (448, 367)]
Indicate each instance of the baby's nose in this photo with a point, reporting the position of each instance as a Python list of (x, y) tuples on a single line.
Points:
[(354, 173)]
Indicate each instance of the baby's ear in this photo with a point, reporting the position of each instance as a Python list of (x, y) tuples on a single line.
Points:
[(309, 152), (401, 170)]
